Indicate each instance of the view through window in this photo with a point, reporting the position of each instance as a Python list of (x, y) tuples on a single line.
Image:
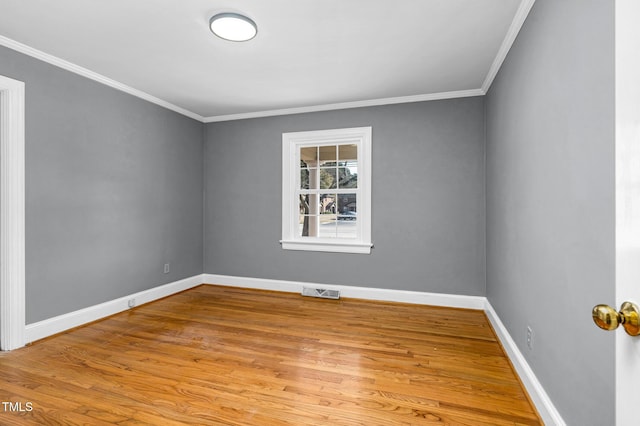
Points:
[(326, 190)]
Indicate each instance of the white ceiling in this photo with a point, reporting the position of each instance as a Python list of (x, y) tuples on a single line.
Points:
[(308, 55)]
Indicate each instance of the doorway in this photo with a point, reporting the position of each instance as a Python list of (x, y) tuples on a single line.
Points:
[(12, 214)]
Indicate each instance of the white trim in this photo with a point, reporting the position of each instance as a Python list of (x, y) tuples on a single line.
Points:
[(539, 397), (366, 293), (51, 326), (12, 214), (66, 65), (291, 144), (327, 246), (347, 105), (69, 66), (509, 39)]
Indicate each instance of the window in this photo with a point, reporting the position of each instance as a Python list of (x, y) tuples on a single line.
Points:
[(326, 190)]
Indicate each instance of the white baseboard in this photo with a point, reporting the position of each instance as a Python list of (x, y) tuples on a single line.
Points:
[(539, 397), (49, 327), (403, 296)]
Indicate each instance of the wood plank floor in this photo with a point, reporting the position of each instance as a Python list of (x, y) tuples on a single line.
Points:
[(226, 356)]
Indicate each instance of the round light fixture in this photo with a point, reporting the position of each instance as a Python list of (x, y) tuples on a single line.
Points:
[(233, 27)]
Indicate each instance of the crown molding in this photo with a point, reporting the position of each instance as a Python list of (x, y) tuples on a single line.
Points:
[(514, 29), (509, 39), (84, 72), (347, 105)]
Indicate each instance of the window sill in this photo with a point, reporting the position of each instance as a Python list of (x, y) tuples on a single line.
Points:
[(335, 247)]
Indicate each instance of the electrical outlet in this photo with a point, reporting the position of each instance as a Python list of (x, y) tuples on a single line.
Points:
[(166, 268), (529, 337), (132, 303)]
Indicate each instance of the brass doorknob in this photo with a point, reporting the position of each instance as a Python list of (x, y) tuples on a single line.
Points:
[(608, 318)]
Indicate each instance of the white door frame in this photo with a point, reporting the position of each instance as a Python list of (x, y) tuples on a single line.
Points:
[(12, 214), (627, 108)]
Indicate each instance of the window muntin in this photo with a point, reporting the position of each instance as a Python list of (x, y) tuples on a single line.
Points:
[(326, 190)]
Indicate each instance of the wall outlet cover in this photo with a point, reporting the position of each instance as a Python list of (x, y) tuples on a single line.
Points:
[(529, 337)]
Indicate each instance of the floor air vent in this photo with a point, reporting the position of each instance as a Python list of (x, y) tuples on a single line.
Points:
[(321, 292)]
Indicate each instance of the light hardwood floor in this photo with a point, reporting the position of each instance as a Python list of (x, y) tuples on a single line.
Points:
[(226, 356)]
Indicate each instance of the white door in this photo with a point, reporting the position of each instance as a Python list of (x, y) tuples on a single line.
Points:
[(627, 202)]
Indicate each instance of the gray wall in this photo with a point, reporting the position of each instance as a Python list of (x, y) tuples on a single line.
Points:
[(550, 200), (113, 190), (428, 199)]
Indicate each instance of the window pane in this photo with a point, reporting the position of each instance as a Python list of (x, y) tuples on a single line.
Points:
[(348, 166), (347, 216), (309, 154), (328, 228), (308, 226), (308, 203), (346, 229), (328, 204), (348, 152), (347, 205), (328, 178), (309, 178), (348, 177), (328, 207), (327, 153), (304, 176)]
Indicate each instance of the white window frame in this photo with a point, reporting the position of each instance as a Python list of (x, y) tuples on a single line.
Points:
[(291, 144)]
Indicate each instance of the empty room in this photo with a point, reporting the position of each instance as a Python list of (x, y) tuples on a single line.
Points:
[(319, 212)]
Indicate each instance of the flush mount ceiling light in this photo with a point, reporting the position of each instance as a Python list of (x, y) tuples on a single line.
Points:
[(233, 27)]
